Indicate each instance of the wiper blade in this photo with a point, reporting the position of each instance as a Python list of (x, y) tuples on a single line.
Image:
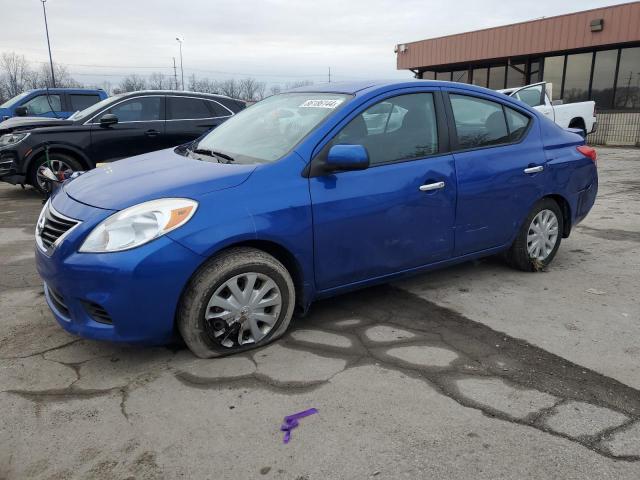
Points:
[(213, 153)]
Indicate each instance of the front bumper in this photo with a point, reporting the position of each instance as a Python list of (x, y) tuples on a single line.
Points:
[(128, 296)]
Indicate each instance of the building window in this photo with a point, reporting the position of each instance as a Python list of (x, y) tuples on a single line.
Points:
[(553, 67), (428, 75), (443, 76), (516, 75), (576, 78), (628, 84), (480, 76), (461, 76), (604, 72), (496, 77), (534, 72)]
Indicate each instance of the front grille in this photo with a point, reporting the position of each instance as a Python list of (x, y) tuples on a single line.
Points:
[(97, 312), (53, 225), (58, 301)]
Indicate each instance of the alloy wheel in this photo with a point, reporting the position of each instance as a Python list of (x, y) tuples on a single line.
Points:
[(58, 167)]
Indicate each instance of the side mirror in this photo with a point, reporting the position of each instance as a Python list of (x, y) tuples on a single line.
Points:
[(21, 111), (347, 157), (555, 103), (108, 119)]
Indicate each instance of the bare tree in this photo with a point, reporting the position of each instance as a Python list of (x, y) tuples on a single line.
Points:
[(15, 74), (251, 89), (202, 85), (159, 81), (230, 88), (131, 83), (63, 77)]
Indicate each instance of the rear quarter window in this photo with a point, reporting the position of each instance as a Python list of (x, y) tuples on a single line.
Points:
[(82, 101)]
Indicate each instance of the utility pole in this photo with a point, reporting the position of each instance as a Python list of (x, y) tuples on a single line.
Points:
[(175, 72), (329, 74), (46, 27), (180, 40)]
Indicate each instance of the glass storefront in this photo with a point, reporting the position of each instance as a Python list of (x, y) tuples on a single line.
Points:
[(609, 77)]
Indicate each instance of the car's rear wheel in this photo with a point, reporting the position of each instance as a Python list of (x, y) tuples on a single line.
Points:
[(240, 299), (539, 237), (59, 163)]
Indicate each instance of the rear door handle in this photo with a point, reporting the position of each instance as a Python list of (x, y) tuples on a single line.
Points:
[(431, 186), (152, 133), (531, 170)]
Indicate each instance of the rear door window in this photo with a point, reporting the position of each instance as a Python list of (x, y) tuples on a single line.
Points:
[(82, 101), (185, 108), (43, 104), (479, 122)]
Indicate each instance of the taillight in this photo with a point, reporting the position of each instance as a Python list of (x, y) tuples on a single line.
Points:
[(589, 152)]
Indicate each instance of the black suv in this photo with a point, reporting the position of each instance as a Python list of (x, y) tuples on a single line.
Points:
[(117, 127)]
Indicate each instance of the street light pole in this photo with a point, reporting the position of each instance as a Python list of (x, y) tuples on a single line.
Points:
[(46, 27), (181, 69)]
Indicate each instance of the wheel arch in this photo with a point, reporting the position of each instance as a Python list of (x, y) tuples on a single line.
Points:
[(577, 122), (284, 256), (280, 253), (76, 153)]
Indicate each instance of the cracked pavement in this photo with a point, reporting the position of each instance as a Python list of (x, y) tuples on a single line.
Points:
[(477, 371)]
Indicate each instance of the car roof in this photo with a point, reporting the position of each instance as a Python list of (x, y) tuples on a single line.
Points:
[(178, 93), (359, 87), (66, 89)]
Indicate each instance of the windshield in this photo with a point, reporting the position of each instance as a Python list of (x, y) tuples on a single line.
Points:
[(89, 111), (269, 129), (15, 99)]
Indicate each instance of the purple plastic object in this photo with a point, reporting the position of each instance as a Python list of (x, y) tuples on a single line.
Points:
[(291, 422)]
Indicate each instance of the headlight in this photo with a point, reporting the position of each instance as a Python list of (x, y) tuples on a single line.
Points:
[(137, 225), (12, 138)]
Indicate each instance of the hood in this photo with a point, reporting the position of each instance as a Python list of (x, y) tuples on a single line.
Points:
[(32, 122), (153, 175)]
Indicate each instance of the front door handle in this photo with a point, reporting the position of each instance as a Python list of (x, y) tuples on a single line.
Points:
[(152, 133), (531, 170), (431, 186)]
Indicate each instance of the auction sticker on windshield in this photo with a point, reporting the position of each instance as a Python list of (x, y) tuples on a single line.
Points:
[(322, 103)]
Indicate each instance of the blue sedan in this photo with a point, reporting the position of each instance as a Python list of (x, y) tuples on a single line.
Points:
[(306, 195)]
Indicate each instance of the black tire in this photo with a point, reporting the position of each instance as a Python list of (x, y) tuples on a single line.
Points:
[(193, 327), (74, 164), (518, 255)]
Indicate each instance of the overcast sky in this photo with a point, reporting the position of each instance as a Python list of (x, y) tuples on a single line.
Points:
[(272, 40)]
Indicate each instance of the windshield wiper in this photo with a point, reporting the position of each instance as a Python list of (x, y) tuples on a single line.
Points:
[(213, 153)]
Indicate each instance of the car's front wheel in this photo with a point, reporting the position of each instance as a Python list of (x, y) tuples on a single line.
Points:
[(240, 299), (59, 163), (539, 237)]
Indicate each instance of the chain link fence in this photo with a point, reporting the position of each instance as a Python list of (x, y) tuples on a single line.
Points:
[(616, 128)]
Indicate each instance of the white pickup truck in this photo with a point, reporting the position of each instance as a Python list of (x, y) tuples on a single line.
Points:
[(581, 115)]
